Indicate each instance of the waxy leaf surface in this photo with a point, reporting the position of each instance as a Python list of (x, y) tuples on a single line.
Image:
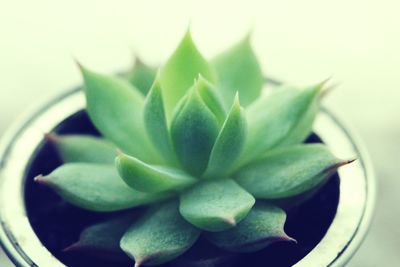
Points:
[(83, 148), (211, 98), (215, 205), (262, 227), (141, 76), (102, 239), (156, 123), (147, 178), (288, 171), (179, 72), (239, 71), (229, 143), (116, 109), (194, 129), (95, 187), (276, 117), (159, 236)]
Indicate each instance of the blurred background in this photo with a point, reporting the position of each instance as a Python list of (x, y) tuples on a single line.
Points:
[(356, 42)]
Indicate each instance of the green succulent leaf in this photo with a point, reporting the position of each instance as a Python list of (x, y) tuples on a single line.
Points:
[(94, 187), (102, 239), (215, 205), (116, 109), (153, 179), (229, 143), (262, 227), (289, 171), (238, 70), (211, 98), (194, 129), (83, 148), (156, 123), (159, 236), (283, 117), (141, 76), (179, 72)]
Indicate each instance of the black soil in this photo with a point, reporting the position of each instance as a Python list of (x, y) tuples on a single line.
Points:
[(58, 224)]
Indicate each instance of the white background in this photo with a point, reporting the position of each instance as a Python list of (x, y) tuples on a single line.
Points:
[(357, 42)]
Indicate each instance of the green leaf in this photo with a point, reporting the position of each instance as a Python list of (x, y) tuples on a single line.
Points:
[(262, 227), (102, 239), (215, 205), (159, 236), (156, 124), (116, 109), (179, 72), (284, 117), (83, 148), (94, 187), (141, 76), (288, 171), (194, 129), (152, 179), (210, 97), (229, 143), (238, 70)]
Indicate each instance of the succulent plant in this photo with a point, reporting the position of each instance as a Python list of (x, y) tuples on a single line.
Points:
[(198, 145)]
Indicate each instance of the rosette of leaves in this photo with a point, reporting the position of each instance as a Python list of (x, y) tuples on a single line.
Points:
[(200, 147)]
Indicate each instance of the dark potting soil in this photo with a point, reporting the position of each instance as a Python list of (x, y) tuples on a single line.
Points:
[(58, 224)]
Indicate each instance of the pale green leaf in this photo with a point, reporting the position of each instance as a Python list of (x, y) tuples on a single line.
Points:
[(179, 72), (149, 178), (156, 123), (83, 148), (194, 129), (116, 109), (141, 76), (288, 171), (238, 70), (229, 143), (262, 227), (159, 236), (285, 116), (95, 187), (215, 205)]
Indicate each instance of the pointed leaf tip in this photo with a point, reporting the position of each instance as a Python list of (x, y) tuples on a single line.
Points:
[(51, 137)]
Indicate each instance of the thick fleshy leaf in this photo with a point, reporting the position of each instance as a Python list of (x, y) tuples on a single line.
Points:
[(283, 117), (262, 227), (179, 72), (211, 98), (194, 129), (229, 143), (159, 236), (102, 239), (95, 187), (238, 70), (288, 171), (152, 179), (116, 109), (156, 123), (141, 76), (215, 205), (83, 148)]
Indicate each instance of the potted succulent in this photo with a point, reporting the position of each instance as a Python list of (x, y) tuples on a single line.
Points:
[(188, 165)]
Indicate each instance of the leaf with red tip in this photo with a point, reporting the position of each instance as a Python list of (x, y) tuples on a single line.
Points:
[(215, 205), (102, 239), (288, 171), (159, 236), (95, 187), (263, 226), (83, 148)]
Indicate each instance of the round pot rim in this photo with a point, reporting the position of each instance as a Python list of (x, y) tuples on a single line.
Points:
[(344, 236)]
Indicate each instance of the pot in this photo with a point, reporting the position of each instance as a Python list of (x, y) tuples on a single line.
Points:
[(20, 144)]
